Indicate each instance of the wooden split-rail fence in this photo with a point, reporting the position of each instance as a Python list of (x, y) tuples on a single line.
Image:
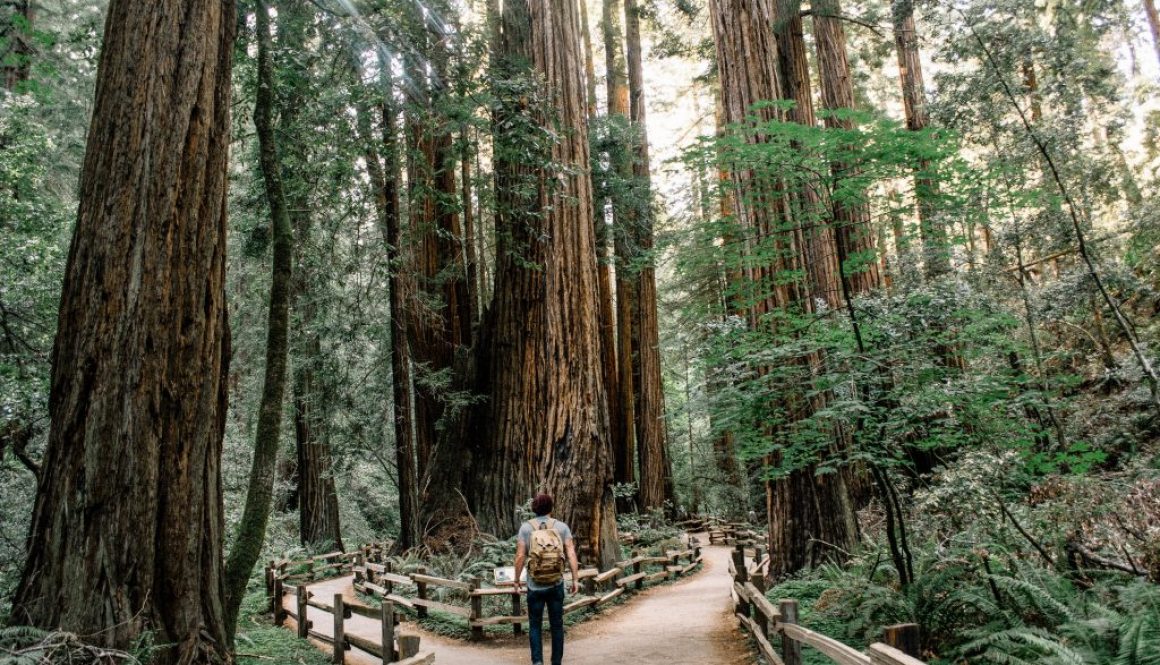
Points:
[(731, 533), (598, 587), (767, 623), (392, 645)]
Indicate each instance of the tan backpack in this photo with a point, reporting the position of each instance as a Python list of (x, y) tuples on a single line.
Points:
[(546, 558)]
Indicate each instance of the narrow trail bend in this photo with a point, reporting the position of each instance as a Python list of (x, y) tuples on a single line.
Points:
[(688, 622)]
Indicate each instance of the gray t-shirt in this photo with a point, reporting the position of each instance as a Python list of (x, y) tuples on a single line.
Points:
[(526, 537)]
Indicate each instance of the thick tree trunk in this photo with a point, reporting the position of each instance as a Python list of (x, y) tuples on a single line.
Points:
[(656, 476), (247, 546), (853, 234), (440, 316), (800, 506), (16, 36), (621, 392), (127, 532), (935, 242), (547, 414), (318, 519), (817, 235)]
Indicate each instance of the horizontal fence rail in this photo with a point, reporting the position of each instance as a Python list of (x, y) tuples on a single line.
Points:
[(769, 623), (418, 591), (597, 587)]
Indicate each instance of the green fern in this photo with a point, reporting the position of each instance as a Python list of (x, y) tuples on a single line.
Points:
[(1023, 644), (1140, 640)]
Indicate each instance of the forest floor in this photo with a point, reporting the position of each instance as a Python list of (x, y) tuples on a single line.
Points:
[(685, 623)]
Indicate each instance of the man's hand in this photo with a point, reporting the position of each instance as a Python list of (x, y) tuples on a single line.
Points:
[(575, 587)]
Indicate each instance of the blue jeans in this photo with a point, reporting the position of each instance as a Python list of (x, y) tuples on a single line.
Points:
[(554, 599)]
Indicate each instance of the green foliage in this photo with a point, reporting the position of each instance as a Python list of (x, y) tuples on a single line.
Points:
[(258, 641), (1024, 614)]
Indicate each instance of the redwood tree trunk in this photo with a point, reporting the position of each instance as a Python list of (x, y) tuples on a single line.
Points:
[(16, 59), (384, 175), (1153, 24), (440, 315), (799, 506), (935, 243), (548, 416), (318, 517), (621, 392), (656, 477), (852, 231), (128, 526), (817, 235)]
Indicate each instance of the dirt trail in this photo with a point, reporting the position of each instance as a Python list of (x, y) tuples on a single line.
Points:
[(689, 622)]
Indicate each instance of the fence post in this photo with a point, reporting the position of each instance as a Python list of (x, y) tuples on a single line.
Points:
[(903, 636), (757, 559), (742, 573), (517, 627), (762, 621), (387, 584), (476, 611), (791, 649), (388, 625), (339, 630), (408, 646), (421, 593), (303, 622), (636, 569), (276, 603)]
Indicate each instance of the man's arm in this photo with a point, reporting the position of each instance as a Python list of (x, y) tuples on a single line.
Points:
[(521, 556), (571, 547)]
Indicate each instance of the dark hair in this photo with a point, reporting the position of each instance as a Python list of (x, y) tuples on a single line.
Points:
[(542, 504)]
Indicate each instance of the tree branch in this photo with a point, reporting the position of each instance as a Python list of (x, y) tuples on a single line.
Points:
[(849, 19)]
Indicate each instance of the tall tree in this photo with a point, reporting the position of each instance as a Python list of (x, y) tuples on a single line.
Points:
[(622, 393), (799, 506), (318, 516), (383, 167), (127, 531), (440, 314), (656, 478), (251, 531), (817, 234), (935, 243), (853, 235), (16, 38), (547, 416)]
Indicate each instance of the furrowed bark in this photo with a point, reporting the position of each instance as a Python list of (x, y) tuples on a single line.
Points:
[(656, 477), (547, 416), (127, 530)]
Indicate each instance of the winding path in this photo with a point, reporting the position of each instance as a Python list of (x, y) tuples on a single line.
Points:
[(688, 622)]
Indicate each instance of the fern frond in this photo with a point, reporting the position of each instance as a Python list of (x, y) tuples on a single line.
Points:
[(1139, 641)]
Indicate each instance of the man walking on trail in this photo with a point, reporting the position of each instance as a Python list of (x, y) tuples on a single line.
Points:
[(543, 544)]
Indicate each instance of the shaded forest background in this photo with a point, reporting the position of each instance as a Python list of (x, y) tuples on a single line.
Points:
[(881, 277)]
